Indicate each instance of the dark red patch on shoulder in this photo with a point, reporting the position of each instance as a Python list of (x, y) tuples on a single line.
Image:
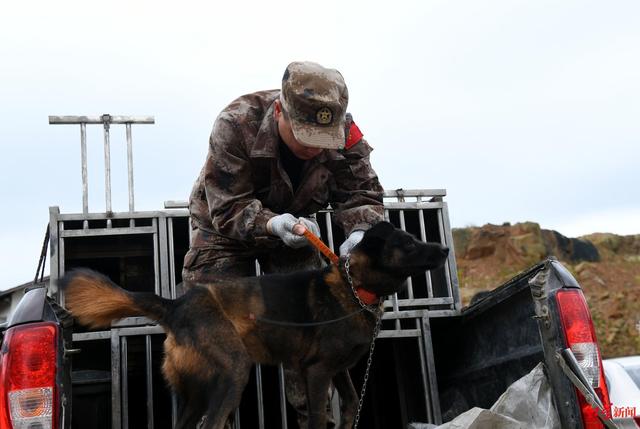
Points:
[(355, 135)]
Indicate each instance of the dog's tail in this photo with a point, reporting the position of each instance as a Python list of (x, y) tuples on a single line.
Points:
[(95, 301)]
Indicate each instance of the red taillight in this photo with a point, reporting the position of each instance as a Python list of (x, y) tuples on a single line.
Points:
[(28, 374), (4, 417), (581, 339)]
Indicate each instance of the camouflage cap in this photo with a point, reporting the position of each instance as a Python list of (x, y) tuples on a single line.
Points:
[(315, 98)]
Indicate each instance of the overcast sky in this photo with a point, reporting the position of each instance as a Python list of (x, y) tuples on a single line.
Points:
[(522, 110)]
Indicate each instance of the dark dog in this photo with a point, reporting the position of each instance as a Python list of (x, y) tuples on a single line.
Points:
[(217, 331)]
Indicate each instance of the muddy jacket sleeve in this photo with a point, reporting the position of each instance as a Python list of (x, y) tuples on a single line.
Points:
[(235, 212), (357, 196)]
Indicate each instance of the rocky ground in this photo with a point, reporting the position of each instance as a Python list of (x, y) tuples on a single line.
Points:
[(607, 266)]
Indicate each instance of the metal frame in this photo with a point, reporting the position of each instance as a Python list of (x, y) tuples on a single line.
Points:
[(163, 231), (106, 121)]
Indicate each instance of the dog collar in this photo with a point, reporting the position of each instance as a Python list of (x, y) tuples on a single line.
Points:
[(364, 297)]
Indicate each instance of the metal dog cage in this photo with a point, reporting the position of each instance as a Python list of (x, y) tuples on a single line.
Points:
[(116, 377)]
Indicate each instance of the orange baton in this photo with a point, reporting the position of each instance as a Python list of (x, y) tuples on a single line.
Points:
[(313, 239)]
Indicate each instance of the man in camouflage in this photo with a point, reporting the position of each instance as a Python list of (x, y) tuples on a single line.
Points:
[(273, 153), (275, 158)]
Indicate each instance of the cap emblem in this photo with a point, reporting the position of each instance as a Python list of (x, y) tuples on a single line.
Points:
[(324, 116)]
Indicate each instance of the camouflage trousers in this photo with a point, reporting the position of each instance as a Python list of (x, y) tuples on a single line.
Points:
[(203, 265)]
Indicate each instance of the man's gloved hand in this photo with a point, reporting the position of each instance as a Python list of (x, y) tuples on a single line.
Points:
[(310, 224), (353, 239), (283, 227)]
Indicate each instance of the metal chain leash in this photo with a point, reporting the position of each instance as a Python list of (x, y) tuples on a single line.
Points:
[(378, 313), (376, 331), (347, 266)]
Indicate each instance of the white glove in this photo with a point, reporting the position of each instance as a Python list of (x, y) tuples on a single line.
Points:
[(310, 224), (283, 225), (349, 243)]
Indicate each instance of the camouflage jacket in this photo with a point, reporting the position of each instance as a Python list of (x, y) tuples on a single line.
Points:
[(243, 184)]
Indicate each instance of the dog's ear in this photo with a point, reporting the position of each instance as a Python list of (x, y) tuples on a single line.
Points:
[(375, 237), (381, 230)]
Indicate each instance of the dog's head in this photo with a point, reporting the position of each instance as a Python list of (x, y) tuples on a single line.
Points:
[(386, 256)]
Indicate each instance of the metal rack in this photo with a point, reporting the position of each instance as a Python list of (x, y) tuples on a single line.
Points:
[(406, 316), (143, 251), (106, 121)]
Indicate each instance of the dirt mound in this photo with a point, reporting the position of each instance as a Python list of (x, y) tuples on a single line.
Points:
[(607, 266)]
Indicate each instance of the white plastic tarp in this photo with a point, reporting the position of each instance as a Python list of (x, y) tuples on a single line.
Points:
[(527, 403)]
